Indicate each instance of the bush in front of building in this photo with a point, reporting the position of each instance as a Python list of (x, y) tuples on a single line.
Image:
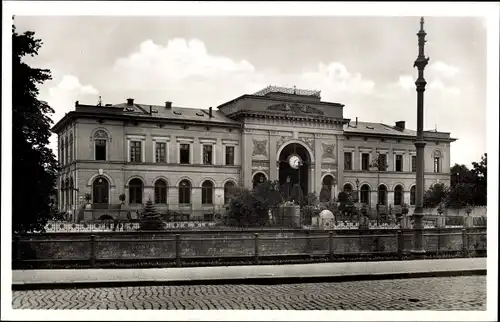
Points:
[(251, 207), (151, 219)]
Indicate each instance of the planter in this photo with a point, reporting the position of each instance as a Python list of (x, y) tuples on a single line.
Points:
[(88, 206)]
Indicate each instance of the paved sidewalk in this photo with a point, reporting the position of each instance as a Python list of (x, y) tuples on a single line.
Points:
[(264, 274)]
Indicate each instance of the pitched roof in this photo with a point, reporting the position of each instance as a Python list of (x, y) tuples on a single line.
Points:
[(376, 128), (175, 113), (388, 130)]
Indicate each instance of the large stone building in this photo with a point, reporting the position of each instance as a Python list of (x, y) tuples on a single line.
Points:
[(187, 159)]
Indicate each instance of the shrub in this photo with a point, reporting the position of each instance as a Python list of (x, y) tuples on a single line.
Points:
[(251, 208), (88, 197), (325, 194), (151, 219)]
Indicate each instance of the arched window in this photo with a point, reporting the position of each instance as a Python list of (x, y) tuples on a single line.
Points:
[(184, 192), (160, 191), (100, 145), (135, 191), (437, 161), (66, 145), (100, 192), (325, 193), (67, 192), (258, 178), (328, 181), (207, 192), (228, 189), (413, 192), (348, 188), (382, 195), (70, 147), (398, 195), (71, 189), (63, 189), (365, 194), (61, 157)]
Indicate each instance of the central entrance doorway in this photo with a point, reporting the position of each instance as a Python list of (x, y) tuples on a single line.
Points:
[(294, 164), (100, 193)]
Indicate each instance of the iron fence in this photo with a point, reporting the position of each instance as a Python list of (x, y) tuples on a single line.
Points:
[(218, 222)]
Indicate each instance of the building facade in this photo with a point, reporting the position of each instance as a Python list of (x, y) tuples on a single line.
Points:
[(187, 160)]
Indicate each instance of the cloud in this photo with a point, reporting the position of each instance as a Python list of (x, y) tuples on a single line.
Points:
[(438, 85), (183, 67), (406, 82), (434, 85), (443, 70), (61, 98)]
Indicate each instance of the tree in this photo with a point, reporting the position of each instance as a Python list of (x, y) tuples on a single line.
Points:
[(35, 167), (459, 173), (468, 187), (151, 219), (251, 207), (480, 175), (435, 195)]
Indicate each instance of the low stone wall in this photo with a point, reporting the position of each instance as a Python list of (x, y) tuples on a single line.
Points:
[(134, 245)]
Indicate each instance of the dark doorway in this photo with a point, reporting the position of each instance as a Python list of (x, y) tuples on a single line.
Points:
[(100, 193), (300, 175)]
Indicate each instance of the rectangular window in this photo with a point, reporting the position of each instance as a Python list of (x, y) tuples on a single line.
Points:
[(100, 150), (437, 165), (61, 157), (229, 155), (382, 162), (208, 217), (347, 161), (135, 151), (207, 154), (413, 163), (399, 163), (184, 154), (365, 161), (161, 152)]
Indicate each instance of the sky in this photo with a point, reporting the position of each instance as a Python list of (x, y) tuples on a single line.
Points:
[(363, 62)]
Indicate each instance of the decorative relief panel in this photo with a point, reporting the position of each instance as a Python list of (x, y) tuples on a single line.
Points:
[(280, 141), (260, 147), (295, 108), (309, 141), (260, 164), (100, 134), (328, 150)]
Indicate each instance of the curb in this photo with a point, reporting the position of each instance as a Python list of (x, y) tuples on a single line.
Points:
[(270, 280)]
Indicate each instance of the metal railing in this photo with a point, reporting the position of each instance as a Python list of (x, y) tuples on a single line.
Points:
[(251, 248)]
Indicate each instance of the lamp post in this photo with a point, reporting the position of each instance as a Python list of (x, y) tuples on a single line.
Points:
[(420, 83), (356, 206), (357, 190)]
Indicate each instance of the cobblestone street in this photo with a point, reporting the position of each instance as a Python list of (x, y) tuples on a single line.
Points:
[(443, 293)]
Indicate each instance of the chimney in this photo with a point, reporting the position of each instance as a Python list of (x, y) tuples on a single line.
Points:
[(130, 101), (168, 104), (400, 125), (210, 111), (150, 110), (356, 121)]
